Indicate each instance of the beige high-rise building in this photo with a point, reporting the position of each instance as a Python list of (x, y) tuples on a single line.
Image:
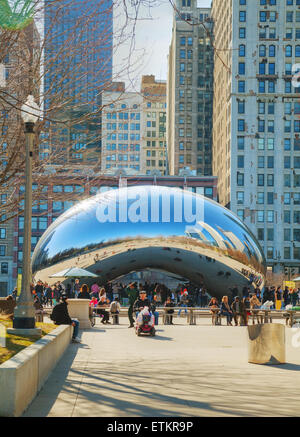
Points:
[(256, 145), (153, 125), (190, 90)]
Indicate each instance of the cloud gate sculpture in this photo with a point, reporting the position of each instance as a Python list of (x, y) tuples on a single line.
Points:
[(165, 228)]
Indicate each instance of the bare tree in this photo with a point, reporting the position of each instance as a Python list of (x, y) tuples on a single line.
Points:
[(63, 56)]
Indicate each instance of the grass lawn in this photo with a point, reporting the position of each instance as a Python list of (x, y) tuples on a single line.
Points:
[(15, 344)]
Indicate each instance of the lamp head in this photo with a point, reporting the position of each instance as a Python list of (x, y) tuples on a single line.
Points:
[(30, 112)]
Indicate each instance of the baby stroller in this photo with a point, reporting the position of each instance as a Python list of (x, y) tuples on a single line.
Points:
[(145, 323)]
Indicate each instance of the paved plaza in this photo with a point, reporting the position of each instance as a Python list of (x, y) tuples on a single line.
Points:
[(184, 371)]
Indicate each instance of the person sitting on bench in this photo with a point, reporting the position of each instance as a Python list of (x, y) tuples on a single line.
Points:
[(103, 302), (60, 316), (115, 310)]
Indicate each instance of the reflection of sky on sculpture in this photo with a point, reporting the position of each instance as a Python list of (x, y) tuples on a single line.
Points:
[(79, 227)]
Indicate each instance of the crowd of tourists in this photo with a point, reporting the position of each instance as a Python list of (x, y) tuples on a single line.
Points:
[(106, 300), (238, 308)]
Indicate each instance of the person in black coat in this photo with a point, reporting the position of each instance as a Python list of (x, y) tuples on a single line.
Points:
[(60, 316), (169, 304), (84, 293), (141, 302)]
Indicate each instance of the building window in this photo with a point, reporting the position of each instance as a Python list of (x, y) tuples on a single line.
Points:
[(260, 198), (260, 234), (260, 180), (241, 125), (241, 86), (242, 16), (242, 32), (288, 51), (260, 216), (241, 143), (242, 67), (240, 197), (240, 161), (4, 268), (240, 179), (242, 50)]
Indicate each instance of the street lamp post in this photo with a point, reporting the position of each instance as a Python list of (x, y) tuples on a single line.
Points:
[(24, 314)]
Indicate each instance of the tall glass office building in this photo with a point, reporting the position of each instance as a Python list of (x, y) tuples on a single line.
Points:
[(78, 67)]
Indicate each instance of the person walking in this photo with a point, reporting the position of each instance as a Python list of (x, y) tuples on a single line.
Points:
[(132, 294)]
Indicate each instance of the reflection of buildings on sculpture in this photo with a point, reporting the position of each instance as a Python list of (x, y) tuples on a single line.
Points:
[(209, 235), (136, 245), (62, 189), (234, 240)]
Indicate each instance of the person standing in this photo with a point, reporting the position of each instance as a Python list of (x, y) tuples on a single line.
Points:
[(56, 294), (286, 296), (48, 295), (278, 298), (169, 304), (76, 287), (153, 310), (84, 293), (237, 309), (132, 294), (39, 290), (294, 296), (95, 290)]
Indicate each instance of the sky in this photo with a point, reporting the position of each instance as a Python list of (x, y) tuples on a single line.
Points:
[(153, 37)]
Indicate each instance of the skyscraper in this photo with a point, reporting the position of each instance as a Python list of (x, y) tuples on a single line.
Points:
[(256, 144), (78, 67), (190, 90), (153, 125)]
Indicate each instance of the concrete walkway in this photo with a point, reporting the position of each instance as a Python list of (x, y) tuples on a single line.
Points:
[(184, 371)]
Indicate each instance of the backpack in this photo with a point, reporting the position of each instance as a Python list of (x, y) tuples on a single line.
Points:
[(114, 307)]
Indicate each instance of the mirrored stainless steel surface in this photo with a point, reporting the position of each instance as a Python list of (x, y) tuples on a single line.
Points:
[(165, 228)]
